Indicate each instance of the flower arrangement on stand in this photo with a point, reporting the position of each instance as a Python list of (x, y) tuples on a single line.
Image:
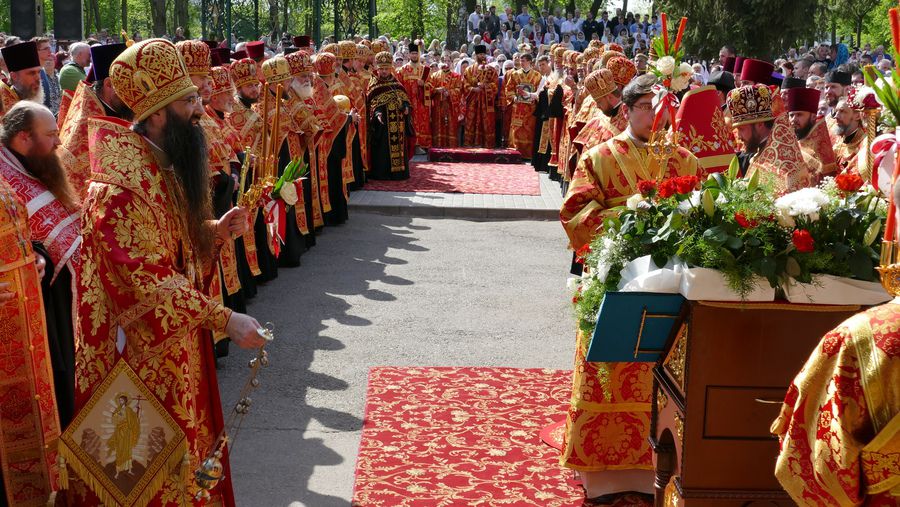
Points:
[(674, 74), (739, 228)]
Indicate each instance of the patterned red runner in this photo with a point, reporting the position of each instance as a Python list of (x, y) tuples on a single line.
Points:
[(463, 436), (490, 156), (508, 179)]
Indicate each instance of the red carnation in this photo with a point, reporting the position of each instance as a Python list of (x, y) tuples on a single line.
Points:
[(849, 181), (667, 188), (646, 188), (745, 222), (803, 241), (582, 253), (686, 184)]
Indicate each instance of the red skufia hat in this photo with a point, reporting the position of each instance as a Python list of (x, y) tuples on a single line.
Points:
[(803, 99), (239, 55), (211, 43), (220, 56), (301, 41), (256, 49), (738, 63), (704, 132), (757, 71), (729, 64)]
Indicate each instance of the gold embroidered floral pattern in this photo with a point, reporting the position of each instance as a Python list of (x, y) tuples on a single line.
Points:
[(462, 436)]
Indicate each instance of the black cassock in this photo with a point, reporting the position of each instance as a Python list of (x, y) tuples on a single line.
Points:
[(543, 137), (555, 110), (60, 334), (338, 213), (391, 133), (294, 244)]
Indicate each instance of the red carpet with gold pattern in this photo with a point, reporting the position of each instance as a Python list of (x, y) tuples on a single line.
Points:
[(467, 178), (441, 437), (492, 156)]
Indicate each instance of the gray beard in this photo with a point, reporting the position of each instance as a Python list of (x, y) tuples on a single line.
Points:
[(302, 91), (36, 97)]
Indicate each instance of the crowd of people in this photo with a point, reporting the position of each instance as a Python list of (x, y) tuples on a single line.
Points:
[(146, 198), (142, 211)]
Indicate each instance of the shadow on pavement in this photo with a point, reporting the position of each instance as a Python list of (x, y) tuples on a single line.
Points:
[(280, 445)]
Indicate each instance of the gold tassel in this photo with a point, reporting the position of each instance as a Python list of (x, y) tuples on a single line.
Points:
[(154, 485), (63, 472), (186, 469)]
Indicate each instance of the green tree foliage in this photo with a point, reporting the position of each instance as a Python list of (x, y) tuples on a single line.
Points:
[(761, 28), (757, 28)]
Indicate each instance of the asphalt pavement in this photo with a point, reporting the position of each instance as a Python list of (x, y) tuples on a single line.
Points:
[(386, 291)]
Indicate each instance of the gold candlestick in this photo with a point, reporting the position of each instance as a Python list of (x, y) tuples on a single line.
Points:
[(274, 136)]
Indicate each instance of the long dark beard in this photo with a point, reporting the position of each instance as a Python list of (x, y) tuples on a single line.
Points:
[(804, 131), (124, 112), (185, 145), (50, 172)]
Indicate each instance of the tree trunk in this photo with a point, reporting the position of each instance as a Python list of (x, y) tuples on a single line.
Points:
[(859, 27), (125, 16), (833, 31), (88, 19), (158, 13), (284, 16), (182, 18), (273, 21), (95, 6)]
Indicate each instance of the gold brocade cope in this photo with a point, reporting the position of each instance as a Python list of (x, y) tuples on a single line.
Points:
[(606, 176), (29, 424), (123, 444), (839, 424), (389, 95), (73, 149), (781, 160), (8, 98)]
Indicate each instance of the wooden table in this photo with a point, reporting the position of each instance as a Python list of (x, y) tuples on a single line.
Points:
[(717, 389)]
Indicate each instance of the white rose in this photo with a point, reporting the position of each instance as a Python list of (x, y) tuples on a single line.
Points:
[(602, 272), (633, 201), (680, 83), (289, 193), (785, 219), (666, 65), (573, 282)]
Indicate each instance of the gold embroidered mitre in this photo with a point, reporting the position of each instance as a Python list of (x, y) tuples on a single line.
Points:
[(384, 60), (276, 69), (196, 56), (750, 104), (243, 72), (299, 62), (150, 75), (347, 49), (220, 81), (623, 70), (600, 83)]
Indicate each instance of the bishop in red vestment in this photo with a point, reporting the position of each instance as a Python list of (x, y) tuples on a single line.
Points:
[(149, 248), (414, 77)]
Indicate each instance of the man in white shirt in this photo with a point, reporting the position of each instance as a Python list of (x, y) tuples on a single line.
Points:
[(507, 16), (579, 21), (568, 26), (473, 22)]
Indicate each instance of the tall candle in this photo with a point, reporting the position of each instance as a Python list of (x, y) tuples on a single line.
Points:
[(681, 26), (894, 16), (665, 32)]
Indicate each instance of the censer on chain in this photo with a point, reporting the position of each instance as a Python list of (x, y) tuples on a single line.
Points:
[(211, 472)]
